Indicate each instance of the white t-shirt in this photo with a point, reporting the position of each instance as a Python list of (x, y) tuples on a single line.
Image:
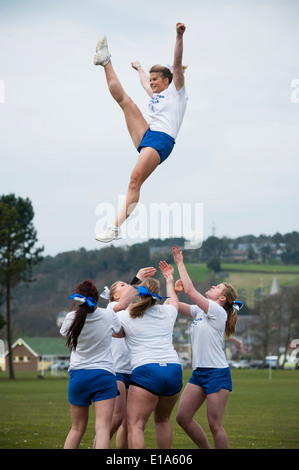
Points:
[(149, 338), (207, 336), (120, 353), (166, 110), (93, 349)]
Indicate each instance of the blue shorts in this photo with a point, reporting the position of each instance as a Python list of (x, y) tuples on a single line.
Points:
[(159, 141), (87, 385), (125, 378), (159, 379), (211, 379)]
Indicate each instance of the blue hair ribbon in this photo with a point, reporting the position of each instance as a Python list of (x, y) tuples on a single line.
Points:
[(144, 292), (80, 299), (237, 305)]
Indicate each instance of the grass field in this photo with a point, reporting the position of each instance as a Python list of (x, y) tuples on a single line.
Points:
[(261, 413)]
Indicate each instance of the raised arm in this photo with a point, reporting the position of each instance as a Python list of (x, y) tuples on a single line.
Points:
[(178, 74), (170, 292), (189, 288), (167, 271), (144, 78), (185, 309)]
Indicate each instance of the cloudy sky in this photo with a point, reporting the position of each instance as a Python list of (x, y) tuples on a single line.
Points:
[(65, 146)]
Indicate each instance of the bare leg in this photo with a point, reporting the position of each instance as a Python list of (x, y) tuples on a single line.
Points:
[(141, 404), (137, 125), (192, 398), (216, 403), (103, 418), (79, 415), (121, 440), (162, 420), (119, 422), (147, 162)]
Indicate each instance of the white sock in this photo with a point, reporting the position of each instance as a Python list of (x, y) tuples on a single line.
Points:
[(114, 227)]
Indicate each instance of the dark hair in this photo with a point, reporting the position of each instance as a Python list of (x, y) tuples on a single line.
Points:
[(87, 289)]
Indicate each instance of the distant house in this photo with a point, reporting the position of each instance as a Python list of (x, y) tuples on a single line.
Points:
[(36, 353)]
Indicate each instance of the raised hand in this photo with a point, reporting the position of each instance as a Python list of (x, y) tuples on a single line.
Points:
[(180, 29), (177, 255), (178, 287), (135, 64), (144, 273), (166, 268)]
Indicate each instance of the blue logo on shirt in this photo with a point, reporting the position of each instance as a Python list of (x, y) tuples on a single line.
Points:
[(196, 320), (155, 100)]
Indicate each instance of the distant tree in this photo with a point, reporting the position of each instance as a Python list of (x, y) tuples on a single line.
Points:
[(214, 264), (17, 252), (291, 254), (278, 320), (251, 253)]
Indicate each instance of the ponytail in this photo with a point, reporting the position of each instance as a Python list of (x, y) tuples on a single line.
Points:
[(86, 289), (138, 309), (77, 325), (232, 317)]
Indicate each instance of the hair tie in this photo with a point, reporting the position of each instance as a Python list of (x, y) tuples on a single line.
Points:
[(237, 305), (80, 300), (106, 293), (144, 292)]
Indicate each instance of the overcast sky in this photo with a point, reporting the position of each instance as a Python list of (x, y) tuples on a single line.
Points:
[(65, 146)]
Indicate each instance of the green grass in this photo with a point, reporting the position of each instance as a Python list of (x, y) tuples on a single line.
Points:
[(259, 267), (260, 413)]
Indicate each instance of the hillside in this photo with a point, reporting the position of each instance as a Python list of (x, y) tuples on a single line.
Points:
[(249, 279), (35, 307)]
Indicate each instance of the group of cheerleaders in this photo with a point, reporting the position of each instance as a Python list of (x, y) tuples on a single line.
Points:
[(122, 356)]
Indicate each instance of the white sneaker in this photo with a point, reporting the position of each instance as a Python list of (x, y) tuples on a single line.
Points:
[(102, 56), (108, 235)]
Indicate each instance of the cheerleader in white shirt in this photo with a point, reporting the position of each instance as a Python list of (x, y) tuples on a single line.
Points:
[(122, 360), (88, 331), (215, 317), (154, 139), (156, 378)]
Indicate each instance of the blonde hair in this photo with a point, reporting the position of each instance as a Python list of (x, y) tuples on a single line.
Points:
[(138, 309), (112, 291), (165, 72), (232, 317)]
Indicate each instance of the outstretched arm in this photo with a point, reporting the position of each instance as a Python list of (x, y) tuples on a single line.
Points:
[(167, 271), (189, 288), (144, 79), (178, 74), (170, 292), (185, 309)]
